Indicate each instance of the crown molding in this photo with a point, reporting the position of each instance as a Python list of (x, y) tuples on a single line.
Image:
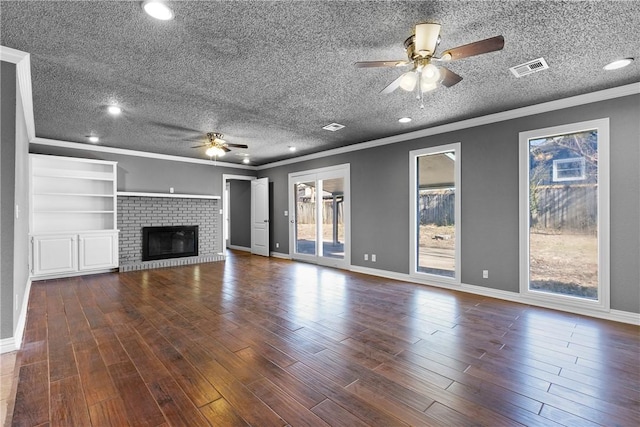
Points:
[(559, 104), (23, 75), (126, 152)]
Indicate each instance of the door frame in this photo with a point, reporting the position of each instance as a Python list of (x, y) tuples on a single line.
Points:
[(224, 208), (341, 171)]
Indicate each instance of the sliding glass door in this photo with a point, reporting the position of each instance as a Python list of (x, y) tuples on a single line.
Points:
[(319, 206)]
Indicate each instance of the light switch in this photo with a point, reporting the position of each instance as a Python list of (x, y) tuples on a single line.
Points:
[(286, 213)]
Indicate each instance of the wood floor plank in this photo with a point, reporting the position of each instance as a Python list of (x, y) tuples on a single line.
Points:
[(264, 341), (68, 405), (139, 405), (220, 413), (31, 406), (96, 381), (109, 413)]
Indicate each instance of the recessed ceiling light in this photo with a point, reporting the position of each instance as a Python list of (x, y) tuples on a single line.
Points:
[(404, 119), (620, 63), (246, 160), (114, 109), (292, 148), (157, 9), (94, 139)]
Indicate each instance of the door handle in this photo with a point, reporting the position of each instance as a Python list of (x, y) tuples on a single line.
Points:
[(266, 220)]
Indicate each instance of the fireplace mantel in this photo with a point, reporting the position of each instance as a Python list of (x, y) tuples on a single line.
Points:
[(173, 195)]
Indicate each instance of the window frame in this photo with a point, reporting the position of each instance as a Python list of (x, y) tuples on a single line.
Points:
[(559, 300), (413, 214)]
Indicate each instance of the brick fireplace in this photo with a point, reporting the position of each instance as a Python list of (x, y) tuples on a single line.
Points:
[(136, 212)]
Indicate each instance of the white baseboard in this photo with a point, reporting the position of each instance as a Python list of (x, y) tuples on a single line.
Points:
[(22, 319), (15, 342), (7, 345), (279, 255), (613, 315), (239, 248)]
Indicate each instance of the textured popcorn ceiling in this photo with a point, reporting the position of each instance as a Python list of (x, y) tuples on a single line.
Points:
[(272, 74)]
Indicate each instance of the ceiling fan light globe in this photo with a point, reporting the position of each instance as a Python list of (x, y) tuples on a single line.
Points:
[(428, 87), (430, 74), (408, 81), (215, 152)]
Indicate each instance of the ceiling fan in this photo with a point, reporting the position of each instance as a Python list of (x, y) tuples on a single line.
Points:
[(427, 70), (216, 146)]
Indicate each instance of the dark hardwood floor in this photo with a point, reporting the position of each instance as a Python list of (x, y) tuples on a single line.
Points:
[(267, 342)]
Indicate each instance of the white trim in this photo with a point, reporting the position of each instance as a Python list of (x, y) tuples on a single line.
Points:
[(239, 248), (170, 195), (279, 255), (413, 208), (613, 315), (127, 152), (23, 77), (602, 95), (557, 300), (7, 345), (22, 318)]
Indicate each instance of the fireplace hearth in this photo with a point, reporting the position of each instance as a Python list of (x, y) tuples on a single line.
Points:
[(169, 242)]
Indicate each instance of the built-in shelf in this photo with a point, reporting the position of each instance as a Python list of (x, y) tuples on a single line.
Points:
[(172, 195), (72, 220)]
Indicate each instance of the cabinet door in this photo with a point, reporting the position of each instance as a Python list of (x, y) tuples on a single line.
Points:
[(54, 254), (97, 251)]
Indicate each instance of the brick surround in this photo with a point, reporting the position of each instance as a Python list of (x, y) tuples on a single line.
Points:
[(135, 212)]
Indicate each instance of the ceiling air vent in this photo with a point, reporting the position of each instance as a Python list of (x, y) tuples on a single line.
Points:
[(529, 67), (333, 127)]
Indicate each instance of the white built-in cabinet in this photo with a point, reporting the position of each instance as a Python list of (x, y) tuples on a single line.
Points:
[(72, 216)]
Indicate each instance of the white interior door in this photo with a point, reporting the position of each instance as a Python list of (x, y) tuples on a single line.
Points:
[(260, 216)]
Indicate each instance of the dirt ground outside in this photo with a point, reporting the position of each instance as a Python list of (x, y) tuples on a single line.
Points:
[(560, 262), (308, 232)]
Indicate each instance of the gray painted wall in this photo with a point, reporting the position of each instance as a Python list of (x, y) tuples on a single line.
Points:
[(489, 197), (7, 194), (240, 213), (488, 190)]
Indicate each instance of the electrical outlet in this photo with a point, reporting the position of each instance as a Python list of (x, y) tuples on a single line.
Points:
[(286, 213), (277, 245), (366, 257), (485, 274), (171, 190), (373, 257)]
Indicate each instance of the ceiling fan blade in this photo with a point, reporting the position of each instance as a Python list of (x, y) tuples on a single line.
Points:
[(225, 149), (477, 48), (394, 84), (372, 64), (201, 145), (237, 145), (449, 78)]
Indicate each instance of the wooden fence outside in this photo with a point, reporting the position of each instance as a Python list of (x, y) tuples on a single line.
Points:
[(564, 207), (437, 207), (306, 212)]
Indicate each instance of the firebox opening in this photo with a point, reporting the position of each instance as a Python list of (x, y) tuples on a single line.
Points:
[(169, 242)]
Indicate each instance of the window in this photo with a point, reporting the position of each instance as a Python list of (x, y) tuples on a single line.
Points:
[(569, 169), (435, 209), (564, 214)]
